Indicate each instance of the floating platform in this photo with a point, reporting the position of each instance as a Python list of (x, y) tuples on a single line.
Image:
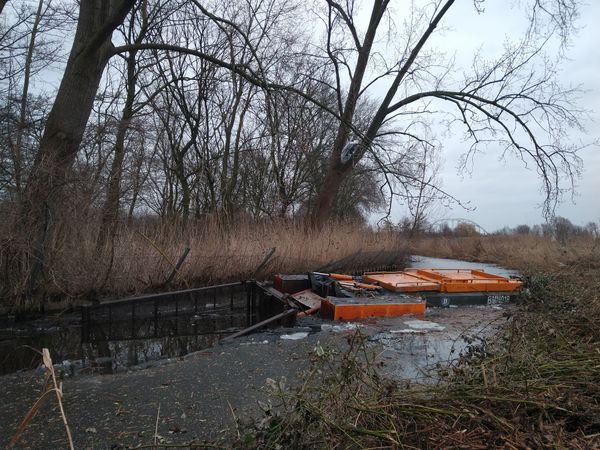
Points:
[(381, 294), (466, 280), (442, 280), (401, 281), (348, 308)]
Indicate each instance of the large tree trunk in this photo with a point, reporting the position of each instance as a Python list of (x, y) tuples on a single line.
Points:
[(66, 123), (336, 175), (337, 171)]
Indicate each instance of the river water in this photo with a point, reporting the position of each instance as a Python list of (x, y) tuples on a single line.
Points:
[(423, 262)]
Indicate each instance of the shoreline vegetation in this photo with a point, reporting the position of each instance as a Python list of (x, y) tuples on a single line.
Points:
[(143, 255)]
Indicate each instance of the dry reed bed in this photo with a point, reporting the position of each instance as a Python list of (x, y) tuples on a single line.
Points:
[(534, 386), (217, 255), (141, 257), (522, 252)]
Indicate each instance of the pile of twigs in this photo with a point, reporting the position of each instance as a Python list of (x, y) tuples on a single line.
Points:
[(535, 386)]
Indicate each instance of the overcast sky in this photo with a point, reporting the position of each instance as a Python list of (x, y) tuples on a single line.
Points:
[(504, 192)]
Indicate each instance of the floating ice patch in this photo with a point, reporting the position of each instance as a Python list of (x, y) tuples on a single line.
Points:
[(424, 325), (295, 336), (255, 342), (408, 331), (337, 328)]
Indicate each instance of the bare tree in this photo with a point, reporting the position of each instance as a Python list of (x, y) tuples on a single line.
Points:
[(508, 100), (142, 18), (67, 120), (506, 97)]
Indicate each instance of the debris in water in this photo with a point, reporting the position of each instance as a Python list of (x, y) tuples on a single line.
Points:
[(424, 325), (348, 326), (295, 336), (308, 298)]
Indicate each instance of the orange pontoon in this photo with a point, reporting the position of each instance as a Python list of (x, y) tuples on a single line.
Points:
[(348, 308), (401, 281), (466, 280)]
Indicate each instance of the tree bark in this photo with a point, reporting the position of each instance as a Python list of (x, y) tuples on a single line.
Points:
[(338, 171), (110, 210), (66, 124)]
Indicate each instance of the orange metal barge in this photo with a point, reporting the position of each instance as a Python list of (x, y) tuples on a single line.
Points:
[(348, 308), (380, 294), (450, 287), (401, 281), (467, 280)]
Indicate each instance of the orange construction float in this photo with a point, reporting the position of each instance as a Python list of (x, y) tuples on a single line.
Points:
[(348, 308), (466, 280), (401, 281), (380, 294)]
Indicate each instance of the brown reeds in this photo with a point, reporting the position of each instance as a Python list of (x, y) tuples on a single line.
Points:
[(522, 252), (142, 255), (56, 387)]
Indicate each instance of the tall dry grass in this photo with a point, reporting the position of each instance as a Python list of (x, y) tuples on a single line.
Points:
[(142, 255), (145, 256), (523, 252)]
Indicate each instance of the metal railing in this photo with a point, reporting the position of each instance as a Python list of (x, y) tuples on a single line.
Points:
[(220, 309)]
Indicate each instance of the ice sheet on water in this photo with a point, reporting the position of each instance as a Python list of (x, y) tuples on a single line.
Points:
[(294, 336), (408, 331), (347, 326), (424, 325)]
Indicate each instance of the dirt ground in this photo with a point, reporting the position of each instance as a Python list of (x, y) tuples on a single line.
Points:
[(200, 396)]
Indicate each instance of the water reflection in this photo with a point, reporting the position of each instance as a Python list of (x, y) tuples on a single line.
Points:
[(71, 356), (114, 336)]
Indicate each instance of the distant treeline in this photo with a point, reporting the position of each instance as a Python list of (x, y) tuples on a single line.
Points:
[(559, 228)]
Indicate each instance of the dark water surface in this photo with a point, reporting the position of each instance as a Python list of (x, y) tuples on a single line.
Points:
[(62, 335), (113, 336)]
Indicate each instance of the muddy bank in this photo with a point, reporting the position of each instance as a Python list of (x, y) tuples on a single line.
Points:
[(194, 396), (199, 395)]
